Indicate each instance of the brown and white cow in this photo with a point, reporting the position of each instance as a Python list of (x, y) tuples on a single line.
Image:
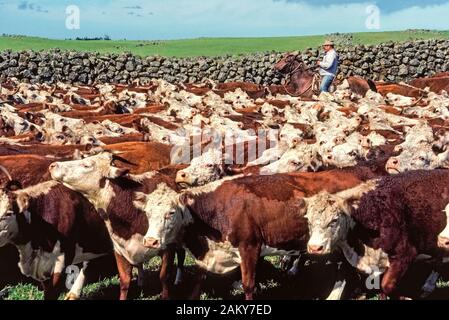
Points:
[(117, 197), (233, 222), (395, 218)]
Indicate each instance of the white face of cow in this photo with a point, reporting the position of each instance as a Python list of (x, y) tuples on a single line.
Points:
[(9, 227), (167, 217), (290, 136), (291, 161), (344, 155), (203, 169), (329, 223), (399, 101), (19, 125), (85, 175), (415, 160)]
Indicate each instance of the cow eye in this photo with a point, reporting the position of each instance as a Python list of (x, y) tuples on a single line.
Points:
[(170, 214), (8, 214), (422, 159), (209, 165)]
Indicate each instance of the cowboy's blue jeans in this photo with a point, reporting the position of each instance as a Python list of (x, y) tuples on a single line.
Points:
[(326, 83)]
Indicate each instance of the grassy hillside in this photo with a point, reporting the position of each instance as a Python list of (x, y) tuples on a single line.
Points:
[(208, 46)]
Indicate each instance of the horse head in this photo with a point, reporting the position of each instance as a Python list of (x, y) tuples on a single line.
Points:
[(288, 63)]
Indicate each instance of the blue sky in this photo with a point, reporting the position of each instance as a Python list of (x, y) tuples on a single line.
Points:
[(175, 19)]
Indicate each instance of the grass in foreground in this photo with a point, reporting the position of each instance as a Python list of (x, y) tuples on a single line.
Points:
[(209, 46), (273, 284)]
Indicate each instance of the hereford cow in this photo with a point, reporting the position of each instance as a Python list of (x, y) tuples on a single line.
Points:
[(233, 222), (395, 219), (117, 196)]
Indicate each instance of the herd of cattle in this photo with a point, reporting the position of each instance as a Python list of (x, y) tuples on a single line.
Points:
[(231, 172)]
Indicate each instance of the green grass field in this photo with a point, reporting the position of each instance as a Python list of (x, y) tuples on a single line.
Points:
[(273, 284), (208, 46)]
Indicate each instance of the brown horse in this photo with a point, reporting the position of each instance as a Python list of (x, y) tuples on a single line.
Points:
[(300, 80), (303, 82)]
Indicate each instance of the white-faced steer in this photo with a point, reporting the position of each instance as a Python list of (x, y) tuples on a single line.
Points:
[(231, 223), (117, 196), (396, 219)]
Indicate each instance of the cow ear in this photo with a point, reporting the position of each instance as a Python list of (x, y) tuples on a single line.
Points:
[(444, 159), (88, 147), (355, 194), (302, 206), (146, 137), (187, 199), (39, 136)]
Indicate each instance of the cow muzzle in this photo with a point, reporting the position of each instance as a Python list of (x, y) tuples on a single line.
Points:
[(315, 249), (183, 179), (392, 166), (151, 243), (54, 171), (443, 242)]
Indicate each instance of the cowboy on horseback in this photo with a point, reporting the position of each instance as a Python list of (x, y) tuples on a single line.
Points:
[(328, 66)]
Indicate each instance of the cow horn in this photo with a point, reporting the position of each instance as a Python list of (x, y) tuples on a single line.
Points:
[(234, 171), (5, 171), (118, 158)]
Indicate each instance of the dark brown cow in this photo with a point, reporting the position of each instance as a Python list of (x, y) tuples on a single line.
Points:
[(237, 220), (402, 216), (111, 190)]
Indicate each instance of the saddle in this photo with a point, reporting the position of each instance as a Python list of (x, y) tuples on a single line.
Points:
[(314, 86)]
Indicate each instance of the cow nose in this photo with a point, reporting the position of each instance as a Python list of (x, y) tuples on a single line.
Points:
[(315, 249), (443, 242), (182, 176), (393, 163), (151, 243)]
